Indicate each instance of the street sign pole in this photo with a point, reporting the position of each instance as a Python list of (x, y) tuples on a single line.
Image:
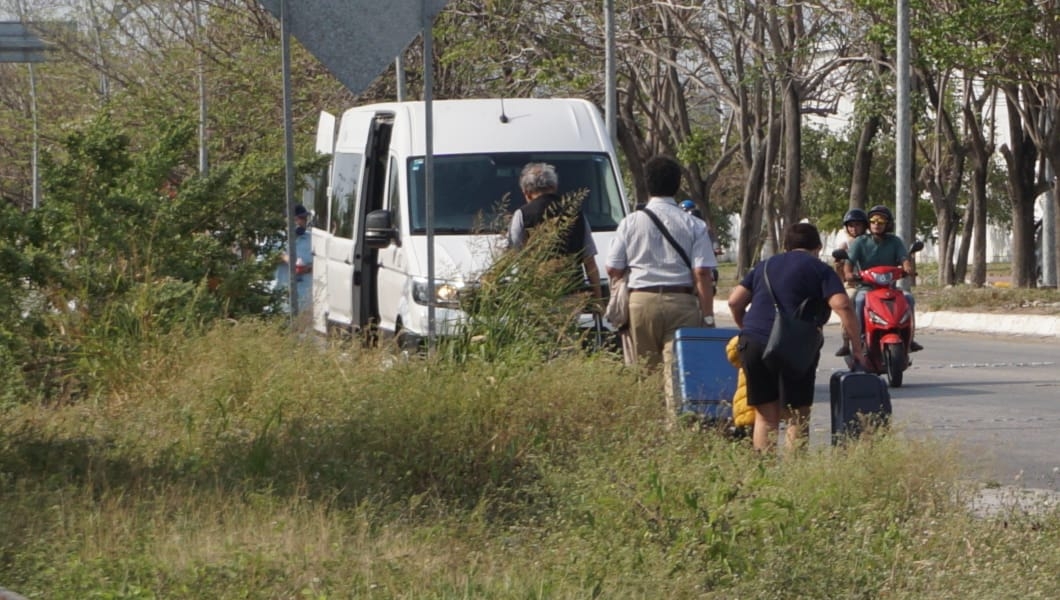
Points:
[(18, 44), (288, 138), (428, 168)]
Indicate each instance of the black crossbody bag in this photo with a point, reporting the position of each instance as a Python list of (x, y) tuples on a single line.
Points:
[(669, 238), (794, 343)]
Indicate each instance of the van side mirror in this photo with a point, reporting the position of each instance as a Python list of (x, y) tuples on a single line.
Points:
[(379, 229)]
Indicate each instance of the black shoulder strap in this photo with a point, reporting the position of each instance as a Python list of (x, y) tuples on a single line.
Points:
[(776, 303), (769, 288), (669, 238)]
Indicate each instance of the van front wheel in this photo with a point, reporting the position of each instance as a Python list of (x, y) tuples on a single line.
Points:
[(405, 340)]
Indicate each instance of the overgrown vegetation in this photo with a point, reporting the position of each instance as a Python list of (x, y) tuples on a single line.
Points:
[(128, 247), (531, 301), (242, 463)]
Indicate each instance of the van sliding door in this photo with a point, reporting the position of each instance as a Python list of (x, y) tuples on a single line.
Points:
[(345, 245)]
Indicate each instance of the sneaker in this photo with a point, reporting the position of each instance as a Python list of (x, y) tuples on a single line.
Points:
[(915, 347), (843, 351)]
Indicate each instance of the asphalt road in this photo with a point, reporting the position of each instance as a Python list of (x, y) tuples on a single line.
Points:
[(996, 396)]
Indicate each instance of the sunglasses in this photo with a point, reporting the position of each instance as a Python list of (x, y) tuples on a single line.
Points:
[(878, 221)]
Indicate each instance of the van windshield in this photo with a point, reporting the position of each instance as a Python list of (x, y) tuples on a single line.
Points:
[(475, 193)]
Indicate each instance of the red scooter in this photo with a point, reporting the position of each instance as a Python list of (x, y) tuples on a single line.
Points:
[(888, 321)]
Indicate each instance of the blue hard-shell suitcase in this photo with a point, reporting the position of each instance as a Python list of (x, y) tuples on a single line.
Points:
[(704, 379), (858, 399)]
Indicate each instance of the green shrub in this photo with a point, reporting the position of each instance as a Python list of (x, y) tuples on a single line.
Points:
[(128, 246), (528, 304)]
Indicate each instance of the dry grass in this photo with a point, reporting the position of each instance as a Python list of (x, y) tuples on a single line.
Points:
[(245, 464)]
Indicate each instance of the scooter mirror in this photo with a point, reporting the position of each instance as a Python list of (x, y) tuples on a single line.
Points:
[(916, 247)]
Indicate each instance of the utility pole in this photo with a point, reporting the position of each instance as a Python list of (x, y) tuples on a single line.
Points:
[(903, 150), (1048, 241), (288, 136), (427, 21), (204, 163), (610, 93), (399, 68)]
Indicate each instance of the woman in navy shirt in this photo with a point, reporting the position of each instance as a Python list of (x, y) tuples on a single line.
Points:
[(803, 285)]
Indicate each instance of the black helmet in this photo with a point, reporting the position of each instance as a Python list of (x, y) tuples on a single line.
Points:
[(884, 212), (855, 215)]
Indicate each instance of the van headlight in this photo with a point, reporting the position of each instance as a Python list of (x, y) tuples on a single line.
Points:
[(445, 293)]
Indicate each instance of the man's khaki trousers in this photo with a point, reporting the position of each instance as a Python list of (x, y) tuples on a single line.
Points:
[(653, 320)]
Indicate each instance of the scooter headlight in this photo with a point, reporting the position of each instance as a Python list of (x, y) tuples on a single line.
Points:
[(877, 319), (884, 279)]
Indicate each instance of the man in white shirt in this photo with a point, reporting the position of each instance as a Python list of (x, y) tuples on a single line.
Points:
[(667, 292)]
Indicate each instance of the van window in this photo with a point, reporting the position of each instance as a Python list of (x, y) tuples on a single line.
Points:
[(345, 186), (474, 193), (320, 196), (394, 201)]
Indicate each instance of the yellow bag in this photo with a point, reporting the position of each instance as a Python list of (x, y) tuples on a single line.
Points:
[(742, 414)]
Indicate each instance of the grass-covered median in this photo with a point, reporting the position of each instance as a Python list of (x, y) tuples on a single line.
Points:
[(246, 464)]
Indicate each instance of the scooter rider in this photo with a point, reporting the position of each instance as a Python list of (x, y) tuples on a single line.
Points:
[(880, 248), (855, 222)]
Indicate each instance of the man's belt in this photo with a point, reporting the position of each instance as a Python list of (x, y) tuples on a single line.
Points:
[(666, 289)]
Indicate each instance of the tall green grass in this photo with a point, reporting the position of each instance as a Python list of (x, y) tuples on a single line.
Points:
[(249, 463)]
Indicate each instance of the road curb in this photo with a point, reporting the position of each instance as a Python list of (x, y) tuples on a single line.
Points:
[(1037, 325)]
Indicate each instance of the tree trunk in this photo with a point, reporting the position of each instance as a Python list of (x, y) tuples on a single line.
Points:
[(792, 210), (946, 245), (859, 179), (979, 179), (960, 266), (1021, 157), (751, 215)]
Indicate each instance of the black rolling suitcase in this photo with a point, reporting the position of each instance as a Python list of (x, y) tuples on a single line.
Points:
[(859, 400)]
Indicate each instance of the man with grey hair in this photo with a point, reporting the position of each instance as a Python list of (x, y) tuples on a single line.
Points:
[(539, 184)]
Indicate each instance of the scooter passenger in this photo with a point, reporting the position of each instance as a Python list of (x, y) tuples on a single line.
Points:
[(856, 223), (879, 248)]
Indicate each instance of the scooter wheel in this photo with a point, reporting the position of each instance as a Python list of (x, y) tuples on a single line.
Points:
[(895, 360)]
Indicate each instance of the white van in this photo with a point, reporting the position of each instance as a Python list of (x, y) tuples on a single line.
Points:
[(370, 241)]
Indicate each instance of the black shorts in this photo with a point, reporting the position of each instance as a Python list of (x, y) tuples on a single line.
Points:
[(764, 385)]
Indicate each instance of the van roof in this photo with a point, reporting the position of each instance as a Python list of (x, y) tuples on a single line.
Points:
[(476, 125)]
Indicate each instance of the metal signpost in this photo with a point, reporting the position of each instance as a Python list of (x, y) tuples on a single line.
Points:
[(19, 44)]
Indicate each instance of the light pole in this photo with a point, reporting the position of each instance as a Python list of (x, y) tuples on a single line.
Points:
[(204, 164), (610, 94), (903, 136)]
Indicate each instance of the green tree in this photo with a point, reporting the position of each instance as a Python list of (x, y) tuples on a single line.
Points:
[(128, 247)]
